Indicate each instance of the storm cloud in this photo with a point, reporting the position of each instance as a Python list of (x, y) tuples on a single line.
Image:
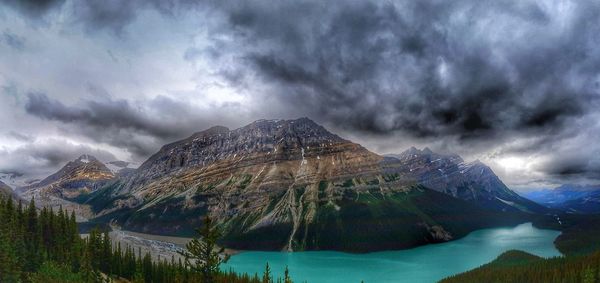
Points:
[(428, 68), (32, 159), (140, 128), (488, 79)]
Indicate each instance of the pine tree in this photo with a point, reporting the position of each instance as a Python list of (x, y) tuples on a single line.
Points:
[(8, 258), (32, 240), (286, 276), (202, 254), (105, 253), (267, 278)]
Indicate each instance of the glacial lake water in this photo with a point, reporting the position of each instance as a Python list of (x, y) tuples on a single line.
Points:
[(422, 264)]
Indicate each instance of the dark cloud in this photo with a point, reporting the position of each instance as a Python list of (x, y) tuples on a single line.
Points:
[(141, 128), (115, 15), (429, 68), (463, 74), (13, 40), (33, 8), (100, 114), (572, 168), (105, 14), (20, 137), (44, 158)]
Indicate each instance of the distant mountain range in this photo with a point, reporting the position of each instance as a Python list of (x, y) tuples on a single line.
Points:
[(449, 174), (293, 185), (570, 198)]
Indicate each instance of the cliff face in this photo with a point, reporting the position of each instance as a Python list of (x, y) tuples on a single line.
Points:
[(288, 184)]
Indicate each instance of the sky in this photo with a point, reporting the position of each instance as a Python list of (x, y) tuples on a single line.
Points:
[(515, 84)]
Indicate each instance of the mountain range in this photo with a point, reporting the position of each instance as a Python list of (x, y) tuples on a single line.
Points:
[(292, 185), (569, 197)]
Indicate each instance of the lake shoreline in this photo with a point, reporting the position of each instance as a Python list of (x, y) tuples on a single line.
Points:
[(428, 263), (235, 252)]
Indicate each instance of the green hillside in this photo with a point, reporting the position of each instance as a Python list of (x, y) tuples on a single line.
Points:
[(580, 242)]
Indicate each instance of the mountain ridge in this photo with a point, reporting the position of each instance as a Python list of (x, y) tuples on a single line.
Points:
[(570, 198), (293, 185)]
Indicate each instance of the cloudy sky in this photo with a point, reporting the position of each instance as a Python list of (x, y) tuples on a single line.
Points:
[(515, 84)]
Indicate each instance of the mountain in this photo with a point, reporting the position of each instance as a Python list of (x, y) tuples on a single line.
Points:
[(291, 184), (473, 181), (570, 198), (82, 175), (588, 204)]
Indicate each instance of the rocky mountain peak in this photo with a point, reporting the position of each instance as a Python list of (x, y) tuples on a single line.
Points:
[(82, 175), (212, 131), (85, 167), (426, 155), (260, 143), (448, 173), (259, 137), (302, 131)]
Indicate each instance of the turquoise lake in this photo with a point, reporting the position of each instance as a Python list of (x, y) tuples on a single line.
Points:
[(423, 264)]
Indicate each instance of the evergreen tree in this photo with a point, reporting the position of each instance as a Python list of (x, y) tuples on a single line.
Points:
[(202, 254), (32, 238), (46, 247), (286, 276), (267, 278)]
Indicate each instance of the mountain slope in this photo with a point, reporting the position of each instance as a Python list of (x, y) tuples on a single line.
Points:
[(5, 190), (449, 174), (521, 267), (586, 204), (288, 184)]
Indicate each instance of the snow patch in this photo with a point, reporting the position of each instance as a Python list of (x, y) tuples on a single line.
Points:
[(506, 202)]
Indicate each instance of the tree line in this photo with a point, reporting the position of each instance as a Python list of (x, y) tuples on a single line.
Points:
[(45, 246), (524, 268)]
